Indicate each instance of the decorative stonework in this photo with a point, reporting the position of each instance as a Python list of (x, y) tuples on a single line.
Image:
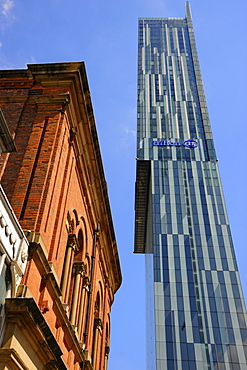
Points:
[(72, 243), (86, 282), (16, 275), (107, 351), (13, 244), (97, 324), (79, 268)]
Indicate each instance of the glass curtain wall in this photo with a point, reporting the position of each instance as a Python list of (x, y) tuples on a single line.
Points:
[(196, 310)]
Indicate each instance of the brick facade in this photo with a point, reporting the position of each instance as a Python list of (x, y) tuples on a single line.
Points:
[(56, 186)]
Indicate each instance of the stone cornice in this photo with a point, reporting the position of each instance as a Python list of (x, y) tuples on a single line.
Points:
[(11, 359), (25, 313)]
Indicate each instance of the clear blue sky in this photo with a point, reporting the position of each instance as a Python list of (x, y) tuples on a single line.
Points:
[(104, 35)]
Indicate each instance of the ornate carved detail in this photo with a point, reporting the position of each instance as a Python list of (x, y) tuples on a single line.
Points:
[(107, 282), (7, 230), (71, 226), (79, 268), (72, 243), (24, 254), (12, 239), (2, 221), (107, 351), (97, 324), (16, 275), (86, 282)]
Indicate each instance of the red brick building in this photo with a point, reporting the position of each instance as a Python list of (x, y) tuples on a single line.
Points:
[(60, 317)]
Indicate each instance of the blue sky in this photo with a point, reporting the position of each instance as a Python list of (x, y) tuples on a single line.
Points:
[(104, 35)]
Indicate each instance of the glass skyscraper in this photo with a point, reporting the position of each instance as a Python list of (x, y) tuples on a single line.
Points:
[(196, 311)]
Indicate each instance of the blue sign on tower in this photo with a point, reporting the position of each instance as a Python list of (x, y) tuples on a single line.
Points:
[(190, 143)]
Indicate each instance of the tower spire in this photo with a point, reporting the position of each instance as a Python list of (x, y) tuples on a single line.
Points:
[(188, 13)]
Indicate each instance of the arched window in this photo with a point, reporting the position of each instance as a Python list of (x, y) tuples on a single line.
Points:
[(84, 233), (80, 285), (107, 347), (80, 241), (75, 276), (97, 307), (97, 330), (78, 274), (75, 217), (71, 249), (82, 306)]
